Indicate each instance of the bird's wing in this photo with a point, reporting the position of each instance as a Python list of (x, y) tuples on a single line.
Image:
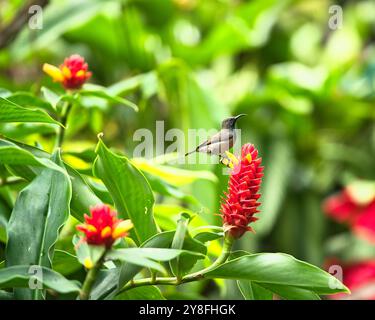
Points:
[(222, 135)]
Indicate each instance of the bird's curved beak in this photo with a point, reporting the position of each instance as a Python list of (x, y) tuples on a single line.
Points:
[(240, 115)]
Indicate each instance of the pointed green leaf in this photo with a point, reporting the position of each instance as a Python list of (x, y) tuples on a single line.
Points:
[(279, 269), (182, 240), (65, 263), (101, 92), (45, 203), (19, 277), (13, 155), (26, 99), (290, 293), (252, 291), (146, 257), (129, 189), (27, 167), (12, 112), (141, 293)]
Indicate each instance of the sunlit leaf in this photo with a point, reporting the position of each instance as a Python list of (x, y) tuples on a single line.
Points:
[(129, 189), (12, 112)]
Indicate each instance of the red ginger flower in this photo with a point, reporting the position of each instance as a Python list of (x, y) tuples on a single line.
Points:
[(103, 227), (241, 201), (72, 74), (354, 205)]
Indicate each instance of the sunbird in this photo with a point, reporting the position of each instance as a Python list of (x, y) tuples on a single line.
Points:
[(222, 141)]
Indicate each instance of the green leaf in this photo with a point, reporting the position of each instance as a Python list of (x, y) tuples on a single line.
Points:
[(19, 277), (25, 130), (183, 240), (252, 291), (26, 99), (207, 236), (65, 263), (278, 269), (147, 82), (14, 155), (164, 188), (114, 279), (172, 175), (82, 195), (45, 202), (50, 96), (263, 291), (291, 293), (178, 242), (146, 257), (101, 92), (141, 293), (129, 189), (12, 112), (167, 215), (5, 295), (4, 93)]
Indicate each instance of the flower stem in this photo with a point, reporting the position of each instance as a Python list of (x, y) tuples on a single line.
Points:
[(90, 278), (227, 246), (199, 275), (64, 119)]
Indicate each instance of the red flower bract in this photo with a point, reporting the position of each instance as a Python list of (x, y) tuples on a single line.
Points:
[(103, 227), (241, 201), (348, 207), (73, 73)]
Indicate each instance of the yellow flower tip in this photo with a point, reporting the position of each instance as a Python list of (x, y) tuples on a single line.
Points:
[(80, 73), (121, 229), (230, 165), (88, 263), (91, 228), (54, 72), (106, 232), (249, 158), (232, 157), (66, 72)]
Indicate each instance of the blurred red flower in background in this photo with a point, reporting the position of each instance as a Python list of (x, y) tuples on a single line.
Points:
[(354, 205), (72, 74), (241, 201), (359, 277), (103, 227)]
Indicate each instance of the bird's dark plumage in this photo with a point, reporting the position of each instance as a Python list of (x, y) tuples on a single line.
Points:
[(221, 141)]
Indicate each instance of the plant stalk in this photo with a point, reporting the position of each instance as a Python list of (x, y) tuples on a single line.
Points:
[(199, 275), (90, 278), (64, 119)]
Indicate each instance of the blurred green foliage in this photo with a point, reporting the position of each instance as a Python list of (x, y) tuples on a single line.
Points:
[(308, 91)]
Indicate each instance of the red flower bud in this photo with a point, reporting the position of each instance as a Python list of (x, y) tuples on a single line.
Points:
[(103, 227), (241, 201), (73, 73)]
